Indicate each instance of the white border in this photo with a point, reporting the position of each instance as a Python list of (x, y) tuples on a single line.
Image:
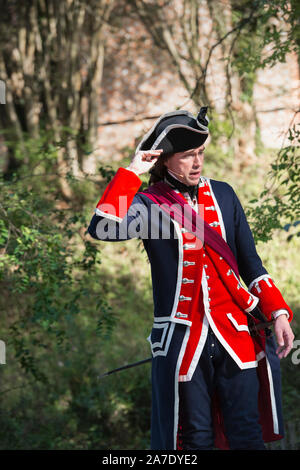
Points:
[(197, 354), (108, 216), (260, 278), (176, 386), (242, 365), (179, 277), (169, 128), (163, 351), (220, 217), (273, 401), (235, 323)]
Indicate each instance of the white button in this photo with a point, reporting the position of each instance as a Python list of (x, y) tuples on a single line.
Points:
[(205, 265), (185, 280), (181, 315), (188, 263), (182, 297)]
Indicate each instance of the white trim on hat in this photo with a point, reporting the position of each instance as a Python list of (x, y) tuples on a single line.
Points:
[(171, 113), (173, 126)]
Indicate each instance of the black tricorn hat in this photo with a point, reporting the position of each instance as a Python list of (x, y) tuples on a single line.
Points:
[(176, 131)]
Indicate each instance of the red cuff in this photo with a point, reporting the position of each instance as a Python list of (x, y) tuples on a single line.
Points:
[(119, 194), (270, 297)]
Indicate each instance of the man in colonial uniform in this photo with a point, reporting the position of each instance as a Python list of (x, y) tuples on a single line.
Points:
[(215, 371)]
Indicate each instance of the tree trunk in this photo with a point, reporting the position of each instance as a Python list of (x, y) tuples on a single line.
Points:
[(51, 60)]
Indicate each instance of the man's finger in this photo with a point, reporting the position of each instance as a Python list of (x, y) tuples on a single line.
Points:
[(288, 344), (280, 341), (285, 343)]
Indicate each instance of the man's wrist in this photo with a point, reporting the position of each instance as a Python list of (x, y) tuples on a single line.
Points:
[(133, 169), (278, 313)]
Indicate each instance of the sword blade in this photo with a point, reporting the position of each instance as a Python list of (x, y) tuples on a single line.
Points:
[(127, 366)]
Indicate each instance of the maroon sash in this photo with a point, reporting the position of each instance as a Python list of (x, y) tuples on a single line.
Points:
[(161, 193)]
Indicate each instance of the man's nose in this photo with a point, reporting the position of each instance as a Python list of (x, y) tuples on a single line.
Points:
[(198, 159)]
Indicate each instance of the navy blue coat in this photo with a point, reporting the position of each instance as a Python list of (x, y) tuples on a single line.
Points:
[(163, 254)]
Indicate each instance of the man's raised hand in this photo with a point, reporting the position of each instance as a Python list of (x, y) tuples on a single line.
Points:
[(144, 160)]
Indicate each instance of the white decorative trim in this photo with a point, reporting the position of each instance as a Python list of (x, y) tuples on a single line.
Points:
[(108, 216), (235, 323), (273, 400), (260, 355), (178, 320), (159, 344), (242, 365), (161, 319), (281, 311), (183, 298), (252, 307), (197, 354), (179, 270), (220, 217), (179, 278), (176, 385), (186, 280), (181, 315), (163, 134), (188, 263), (264, 276), (188, 246), (163, 351)]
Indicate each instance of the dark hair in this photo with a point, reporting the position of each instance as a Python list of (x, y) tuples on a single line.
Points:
[(158, 171)]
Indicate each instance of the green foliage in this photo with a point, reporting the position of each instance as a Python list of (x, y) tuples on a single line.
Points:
[(268, 32), (67, 317), (278, 206), (60, 320)]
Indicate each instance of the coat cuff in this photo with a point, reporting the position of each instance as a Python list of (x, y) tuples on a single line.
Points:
[(270, 298), (279, 312), (118, 195)]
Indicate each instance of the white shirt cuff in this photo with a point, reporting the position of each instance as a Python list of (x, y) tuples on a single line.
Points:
[(281, 311)]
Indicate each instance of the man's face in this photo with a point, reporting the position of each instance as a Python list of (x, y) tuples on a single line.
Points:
[(187, 165)]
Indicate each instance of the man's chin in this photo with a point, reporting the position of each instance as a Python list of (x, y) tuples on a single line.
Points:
[(192, 181)]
